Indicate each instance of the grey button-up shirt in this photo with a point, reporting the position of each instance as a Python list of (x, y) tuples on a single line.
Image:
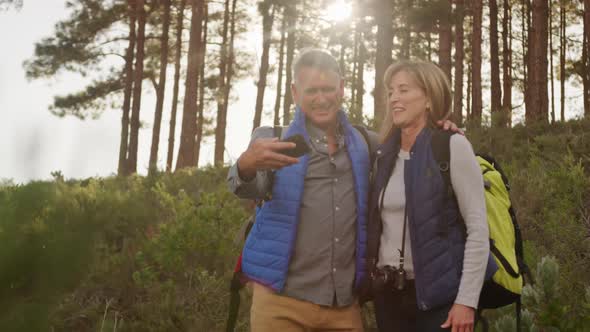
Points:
[(322, 266)]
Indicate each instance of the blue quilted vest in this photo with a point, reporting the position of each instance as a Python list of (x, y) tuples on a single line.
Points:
[(269, 245), (436, 233)]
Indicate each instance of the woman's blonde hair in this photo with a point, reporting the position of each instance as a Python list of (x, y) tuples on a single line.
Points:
[(432, 80)]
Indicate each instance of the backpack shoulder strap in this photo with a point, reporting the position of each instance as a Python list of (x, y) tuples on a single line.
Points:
[(277, 131), (441, 141), (365, 133)]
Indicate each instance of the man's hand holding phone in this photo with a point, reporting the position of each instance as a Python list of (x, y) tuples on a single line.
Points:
[(300, 148), (270, 153)]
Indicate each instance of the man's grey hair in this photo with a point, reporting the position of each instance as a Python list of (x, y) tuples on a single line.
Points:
[(315, 58)]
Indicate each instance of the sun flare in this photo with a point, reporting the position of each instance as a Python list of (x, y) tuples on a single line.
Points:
[(338, 11)]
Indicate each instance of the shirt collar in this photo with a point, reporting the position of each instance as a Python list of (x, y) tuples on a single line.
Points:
[(318, 136)]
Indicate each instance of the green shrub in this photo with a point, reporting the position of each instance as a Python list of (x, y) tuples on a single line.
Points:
[(156, 253)]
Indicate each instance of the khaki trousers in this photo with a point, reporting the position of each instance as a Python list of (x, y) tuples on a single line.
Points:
[(275, 313)]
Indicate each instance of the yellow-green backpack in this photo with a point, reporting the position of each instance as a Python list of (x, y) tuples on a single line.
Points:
[(505, 286)]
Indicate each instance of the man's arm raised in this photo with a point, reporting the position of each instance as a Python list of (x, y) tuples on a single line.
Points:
[(264, 154), (251, 177)]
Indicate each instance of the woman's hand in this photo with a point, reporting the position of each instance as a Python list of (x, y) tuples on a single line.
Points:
[(461, 318)]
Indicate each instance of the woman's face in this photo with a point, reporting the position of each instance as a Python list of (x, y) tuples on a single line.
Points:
[(407, 101)]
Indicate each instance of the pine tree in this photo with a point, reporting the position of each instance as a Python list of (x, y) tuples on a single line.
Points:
[(476, 101), (188, 132), (280, 70), (291, 12), (202, 82), (562, 52), (406, 42), (228, 77), (384, 18), (137, 84), (161, 86), (445, 38), (550, 30), (459, 55), (266, 9), (586, 58), (506, 64), (537, 100), (177, 56), (129, 56), (496, 89)]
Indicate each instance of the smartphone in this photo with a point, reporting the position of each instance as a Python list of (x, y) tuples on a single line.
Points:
[(300, 148)]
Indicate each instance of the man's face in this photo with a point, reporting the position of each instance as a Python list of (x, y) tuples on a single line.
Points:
[(319, 94)]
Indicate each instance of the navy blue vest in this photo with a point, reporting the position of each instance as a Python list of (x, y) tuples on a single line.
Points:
[(437, 236), (269, 245)]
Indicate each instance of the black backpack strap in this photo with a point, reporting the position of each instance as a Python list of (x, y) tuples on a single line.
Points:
[(371, 147), (518, 315), (481, 320), (277, 131), (365, 133), (441, 149), (234, 302)]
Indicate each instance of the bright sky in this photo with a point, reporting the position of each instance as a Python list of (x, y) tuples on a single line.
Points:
[(33, 142)]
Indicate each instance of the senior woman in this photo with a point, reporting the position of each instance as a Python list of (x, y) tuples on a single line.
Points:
[(427, 245)]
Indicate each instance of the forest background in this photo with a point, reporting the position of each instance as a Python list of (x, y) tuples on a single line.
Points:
[(186, 86)]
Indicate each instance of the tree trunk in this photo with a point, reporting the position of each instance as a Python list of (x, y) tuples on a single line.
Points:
[(551, 65), (537, 106), (468, 99), (291, 12), (355, 56), (221, 117), (153, 165), (129, 54), (406, 33), (507, 64), (476, 102), (229, 74), (267, 12), (586, 58), (445, 39), (360, 75), (178, 48), (201, 104), (525, 50), (384, 18), (429, 45), (277, 113), (496, 91), (562, 50), (135, 108), (459, 54), (189, 113), (342, 54)]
